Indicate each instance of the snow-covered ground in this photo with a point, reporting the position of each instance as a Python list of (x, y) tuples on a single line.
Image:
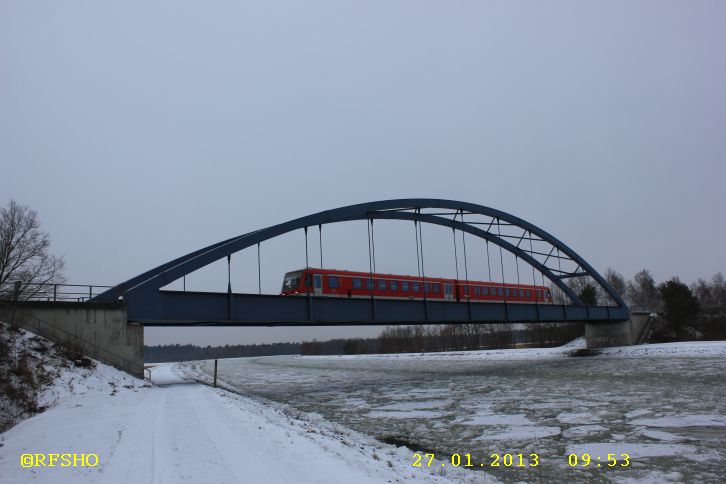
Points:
[(181, 431)]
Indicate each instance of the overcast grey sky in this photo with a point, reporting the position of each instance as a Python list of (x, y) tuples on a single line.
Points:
[(141, 131)]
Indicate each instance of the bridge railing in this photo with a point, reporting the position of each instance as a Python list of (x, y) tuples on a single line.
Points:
[(38, 291), (642, 310)]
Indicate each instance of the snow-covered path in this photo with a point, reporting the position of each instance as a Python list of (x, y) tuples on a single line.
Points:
[(182, 431)]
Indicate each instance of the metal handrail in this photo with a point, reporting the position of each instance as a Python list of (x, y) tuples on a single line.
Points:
[(52, 292), (642, 309), (126, 364)]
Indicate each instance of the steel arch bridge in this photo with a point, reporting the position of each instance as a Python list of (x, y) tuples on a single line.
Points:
[(149, 305)]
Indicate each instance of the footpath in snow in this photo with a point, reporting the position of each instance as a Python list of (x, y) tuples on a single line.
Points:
[(181, 431)]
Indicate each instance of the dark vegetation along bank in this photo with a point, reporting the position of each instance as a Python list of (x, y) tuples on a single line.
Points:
[(28, 365)]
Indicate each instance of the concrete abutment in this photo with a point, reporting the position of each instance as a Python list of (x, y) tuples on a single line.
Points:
[(624, 333), (99, 330)]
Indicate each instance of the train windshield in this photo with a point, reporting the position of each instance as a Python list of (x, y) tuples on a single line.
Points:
[(292, 280)]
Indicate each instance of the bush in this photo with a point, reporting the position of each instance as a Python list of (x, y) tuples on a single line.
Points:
[(73, 351)]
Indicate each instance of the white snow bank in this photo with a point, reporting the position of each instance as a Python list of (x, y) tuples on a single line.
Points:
[(56, 377)]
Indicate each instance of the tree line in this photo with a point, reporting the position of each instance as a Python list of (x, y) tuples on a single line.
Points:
[(695, 311), (447, 337), (177, 352)]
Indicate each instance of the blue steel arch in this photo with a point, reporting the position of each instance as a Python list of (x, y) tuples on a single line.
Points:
[(398, 209)]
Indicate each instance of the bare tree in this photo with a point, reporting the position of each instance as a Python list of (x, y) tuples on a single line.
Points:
[(617, 282), (558, 296), (718, 293), (642, 292), (24, 254)]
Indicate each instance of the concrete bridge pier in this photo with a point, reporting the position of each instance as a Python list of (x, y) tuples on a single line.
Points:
[(625, 333)]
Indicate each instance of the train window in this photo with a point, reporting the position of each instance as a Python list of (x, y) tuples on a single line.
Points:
[(415, 287), (485, 291), (515, 292), (333, 282), (357, 283), (477, 290), (381, 285), (369, 284), (404, 286), (500, 290), (427, 287), (394, 286), (308, 280), (291, 281), (466, 290), (539, 294), (529, 294), (436, 287), (506, 291)]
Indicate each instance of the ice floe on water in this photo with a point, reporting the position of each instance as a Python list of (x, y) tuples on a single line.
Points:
[(638, 413), (404, 414), (584, 431), (500, 419), (415, 405), (520, 433), (683, 421), (660, 435), (626, 400), (577, 417)]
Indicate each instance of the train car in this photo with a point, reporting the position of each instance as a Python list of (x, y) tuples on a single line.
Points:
[(337, 283)]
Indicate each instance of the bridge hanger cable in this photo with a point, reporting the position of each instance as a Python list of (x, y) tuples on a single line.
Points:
[(373, 244), (489, 267), (259, 271), (370, 260), (418, 259), (559, 264), (463, 243), (456, 256), (423, 270), (501, 261), (320, 241), (307, 264), (531, 250), (229, 274)]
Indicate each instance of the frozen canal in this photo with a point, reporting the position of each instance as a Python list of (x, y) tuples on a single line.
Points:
[(667, 412)]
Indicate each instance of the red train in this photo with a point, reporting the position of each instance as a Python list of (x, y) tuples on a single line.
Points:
[(328, 282)]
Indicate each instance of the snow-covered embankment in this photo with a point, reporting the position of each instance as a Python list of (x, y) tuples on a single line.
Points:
[(180, 430)]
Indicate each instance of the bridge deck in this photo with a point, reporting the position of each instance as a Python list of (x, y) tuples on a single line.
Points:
[(179, 308)]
